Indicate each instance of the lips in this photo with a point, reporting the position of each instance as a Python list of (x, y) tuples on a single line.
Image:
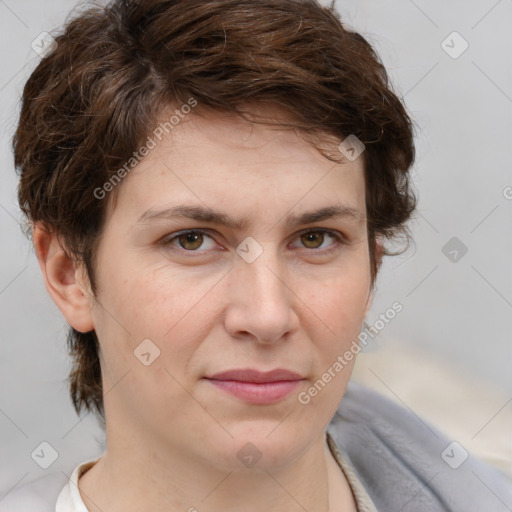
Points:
[(257, 387), (251, 375)]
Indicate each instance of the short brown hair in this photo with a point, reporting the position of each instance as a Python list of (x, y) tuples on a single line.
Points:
[(93, 99)]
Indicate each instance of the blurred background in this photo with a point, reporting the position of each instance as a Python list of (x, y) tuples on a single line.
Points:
[(446, 355)]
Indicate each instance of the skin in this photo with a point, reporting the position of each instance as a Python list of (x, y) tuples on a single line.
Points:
[(169, 429)]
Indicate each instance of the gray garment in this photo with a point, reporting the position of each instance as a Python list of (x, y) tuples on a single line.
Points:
[(363, 501), (406, 465)]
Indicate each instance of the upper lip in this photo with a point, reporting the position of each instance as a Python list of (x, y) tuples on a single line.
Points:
[(252, 375)]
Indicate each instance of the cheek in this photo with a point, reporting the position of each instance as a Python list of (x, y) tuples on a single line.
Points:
[(151, 302), (339, 300), (163, 309), (336, 312)]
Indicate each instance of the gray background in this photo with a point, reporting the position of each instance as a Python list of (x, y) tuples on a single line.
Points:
[(459, 311)]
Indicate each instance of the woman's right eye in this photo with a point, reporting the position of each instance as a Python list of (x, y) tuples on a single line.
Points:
[(189, 241)]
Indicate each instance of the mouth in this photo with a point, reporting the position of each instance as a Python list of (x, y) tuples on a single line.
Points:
[(256, 387)]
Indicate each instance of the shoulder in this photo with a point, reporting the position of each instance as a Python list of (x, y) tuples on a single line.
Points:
[(37, 496), (403, 461)]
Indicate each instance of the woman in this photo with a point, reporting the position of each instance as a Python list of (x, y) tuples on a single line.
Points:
[(210, 185)]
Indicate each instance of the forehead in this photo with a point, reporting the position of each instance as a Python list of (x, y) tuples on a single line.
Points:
[(223, 158)]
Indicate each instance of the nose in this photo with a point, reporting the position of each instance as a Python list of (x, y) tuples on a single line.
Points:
[(261, 301)]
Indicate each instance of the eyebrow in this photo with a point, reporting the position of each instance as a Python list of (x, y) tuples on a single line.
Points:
[(216, 217)]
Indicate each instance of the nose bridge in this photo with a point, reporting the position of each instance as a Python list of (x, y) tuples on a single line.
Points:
[(263, 301), (265, 277)]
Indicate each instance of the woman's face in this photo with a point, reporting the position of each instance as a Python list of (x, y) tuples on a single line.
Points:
[(259, 283)]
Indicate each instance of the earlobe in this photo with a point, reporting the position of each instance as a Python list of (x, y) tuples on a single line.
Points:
[(368, 303), (379, 253), (63, 278)]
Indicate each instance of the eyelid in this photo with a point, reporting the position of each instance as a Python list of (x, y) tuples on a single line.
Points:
[(339, 237), (333, 232), (167, 239)]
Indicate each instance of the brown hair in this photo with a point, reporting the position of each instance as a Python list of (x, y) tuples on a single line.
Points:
[(93, 99)]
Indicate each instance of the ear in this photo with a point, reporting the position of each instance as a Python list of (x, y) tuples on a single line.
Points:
[(65, 281), (379, 252)]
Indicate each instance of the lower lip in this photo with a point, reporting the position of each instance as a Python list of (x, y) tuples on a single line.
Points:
[(258, 393)]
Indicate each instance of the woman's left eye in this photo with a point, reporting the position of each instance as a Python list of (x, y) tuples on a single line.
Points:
[(192, 240), (315, 239)]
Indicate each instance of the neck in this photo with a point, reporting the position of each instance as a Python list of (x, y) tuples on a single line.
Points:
[(133, 477)]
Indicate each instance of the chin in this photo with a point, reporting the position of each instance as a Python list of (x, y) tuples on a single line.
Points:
[(258, 448)]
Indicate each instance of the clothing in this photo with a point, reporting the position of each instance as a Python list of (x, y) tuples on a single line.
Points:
[(407, 465), (69, 499), (392, 459)]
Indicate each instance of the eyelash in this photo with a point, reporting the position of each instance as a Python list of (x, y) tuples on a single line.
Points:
[(338, 237)]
